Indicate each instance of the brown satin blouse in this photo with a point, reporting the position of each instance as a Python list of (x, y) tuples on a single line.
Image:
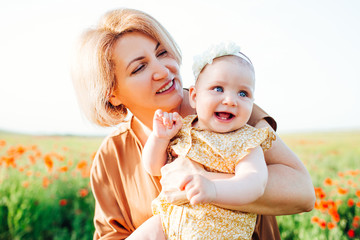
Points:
[(123, 190)]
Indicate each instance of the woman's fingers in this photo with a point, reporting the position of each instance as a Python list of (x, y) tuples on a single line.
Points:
[(196, 199), (172, 178)]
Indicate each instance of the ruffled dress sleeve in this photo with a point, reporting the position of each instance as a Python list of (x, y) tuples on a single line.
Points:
[(220, 152)]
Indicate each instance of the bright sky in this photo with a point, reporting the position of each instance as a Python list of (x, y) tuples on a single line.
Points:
[(306, 56)]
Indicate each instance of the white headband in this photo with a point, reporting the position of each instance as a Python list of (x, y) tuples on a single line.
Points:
[(215, 51)]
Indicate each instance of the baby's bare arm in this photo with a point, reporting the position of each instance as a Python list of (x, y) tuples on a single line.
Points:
[(289, 189), (247, 185), (165, 126)]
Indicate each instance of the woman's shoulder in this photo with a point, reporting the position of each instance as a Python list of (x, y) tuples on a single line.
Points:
[(118, 142), (258, 114), (116, 148), (117, 134)]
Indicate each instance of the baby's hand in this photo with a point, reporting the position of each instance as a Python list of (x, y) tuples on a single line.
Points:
[(198, 189), (166, 125)]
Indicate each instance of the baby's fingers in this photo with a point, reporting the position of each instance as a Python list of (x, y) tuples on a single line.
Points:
[(177, 121), (166, 119), (158, 114), (170, 121)]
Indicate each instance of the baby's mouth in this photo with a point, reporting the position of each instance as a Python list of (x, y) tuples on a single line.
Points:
[(224, 115)]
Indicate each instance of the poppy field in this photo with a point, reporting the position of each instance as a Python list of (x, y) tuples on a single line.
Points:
[(45, 191), (44, 187), (333, 162)]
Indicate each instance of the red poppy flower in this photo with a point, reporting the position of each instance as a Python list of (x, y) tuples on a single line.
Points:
[(342, 191), (322, 224), (351, 233), (81, 165), (62, 202), (45, 182), (328, 182), (351, 202), (83, 192), (315, 219), (357, 193), (63, 169), (48, 162), (331, 225), (2, 143)]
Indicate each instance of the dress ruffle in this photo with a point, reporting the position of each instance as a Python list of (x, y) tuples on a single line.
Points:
[(226, 148)]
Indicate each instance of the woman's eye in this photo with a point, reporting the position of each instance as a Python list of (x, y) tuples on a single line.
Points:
[(243, 94), (138, 69), (218, 89), (162, 53)]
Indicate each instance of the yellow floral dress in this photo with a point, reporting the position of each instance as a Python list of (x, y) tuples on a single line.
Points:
[(217, 153)]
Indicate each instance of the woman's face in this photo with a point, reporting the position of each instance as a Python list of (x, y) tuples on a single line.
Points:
[(148, 76)]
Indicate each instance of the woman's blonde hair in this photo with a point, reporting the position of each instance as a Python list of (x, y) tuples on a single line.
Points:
[(93, 70)]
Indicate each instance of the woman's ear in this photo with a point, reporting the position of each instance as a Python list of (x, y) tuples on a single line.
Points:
[(114, 99), (192, 98)]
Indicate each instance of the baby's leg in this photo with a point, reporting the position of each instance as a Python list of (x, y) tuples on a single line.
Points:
[(150, 229)]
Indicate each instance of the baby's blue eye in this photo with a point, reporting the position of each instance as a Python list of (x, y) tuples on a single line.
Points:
[(243, 94), (218, 89)]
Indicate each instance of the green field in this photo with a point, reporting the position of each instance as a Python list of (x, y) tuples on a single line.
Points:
[(333, 162), (45, 192)]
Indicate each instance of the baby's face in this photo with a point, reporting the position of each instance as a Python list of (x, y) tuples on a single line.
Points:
[(224, 95)]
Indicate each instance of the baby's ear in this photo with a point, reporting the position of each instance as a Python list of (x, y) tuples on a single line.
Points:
[(192, 96)]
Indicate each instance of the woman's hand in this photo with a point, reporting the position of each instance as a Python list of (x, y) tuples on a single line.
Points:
[(289, 189), (198, 189), (174, 174)]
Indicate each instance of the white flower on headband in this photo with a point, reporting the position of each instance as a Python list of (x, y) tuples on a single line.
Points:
[(215, 51)]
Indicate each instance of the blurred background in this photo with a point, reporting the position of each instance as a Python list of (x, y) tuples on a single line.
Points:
[(305, 53)]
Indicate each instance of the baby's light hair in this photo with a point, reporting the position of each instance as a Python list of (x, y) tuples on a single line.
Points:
[(214, 51)]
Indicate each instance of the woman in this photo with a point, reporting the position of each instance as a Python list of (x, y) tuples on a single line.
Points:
[(129, 62)]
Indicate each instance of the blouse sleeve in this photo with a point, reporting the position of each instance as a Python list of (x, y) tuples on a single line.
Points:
[(258, 114), (109, 218)]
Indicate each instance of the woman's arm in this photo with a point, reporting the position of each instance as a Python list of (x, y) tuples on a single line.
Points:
[(289, 189)]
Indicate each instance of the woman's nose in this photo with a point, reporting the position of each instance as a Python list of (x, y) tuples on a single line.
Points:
[(160, 71)]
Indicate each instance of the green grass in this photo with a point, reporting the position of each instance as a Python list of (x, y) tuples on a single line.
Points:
[(326, 154), (333, 156), (46, 200), (40, 201)]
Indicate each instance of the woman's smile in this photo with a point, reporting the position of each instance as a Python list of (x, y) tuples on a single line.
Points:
[(167, 88)]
